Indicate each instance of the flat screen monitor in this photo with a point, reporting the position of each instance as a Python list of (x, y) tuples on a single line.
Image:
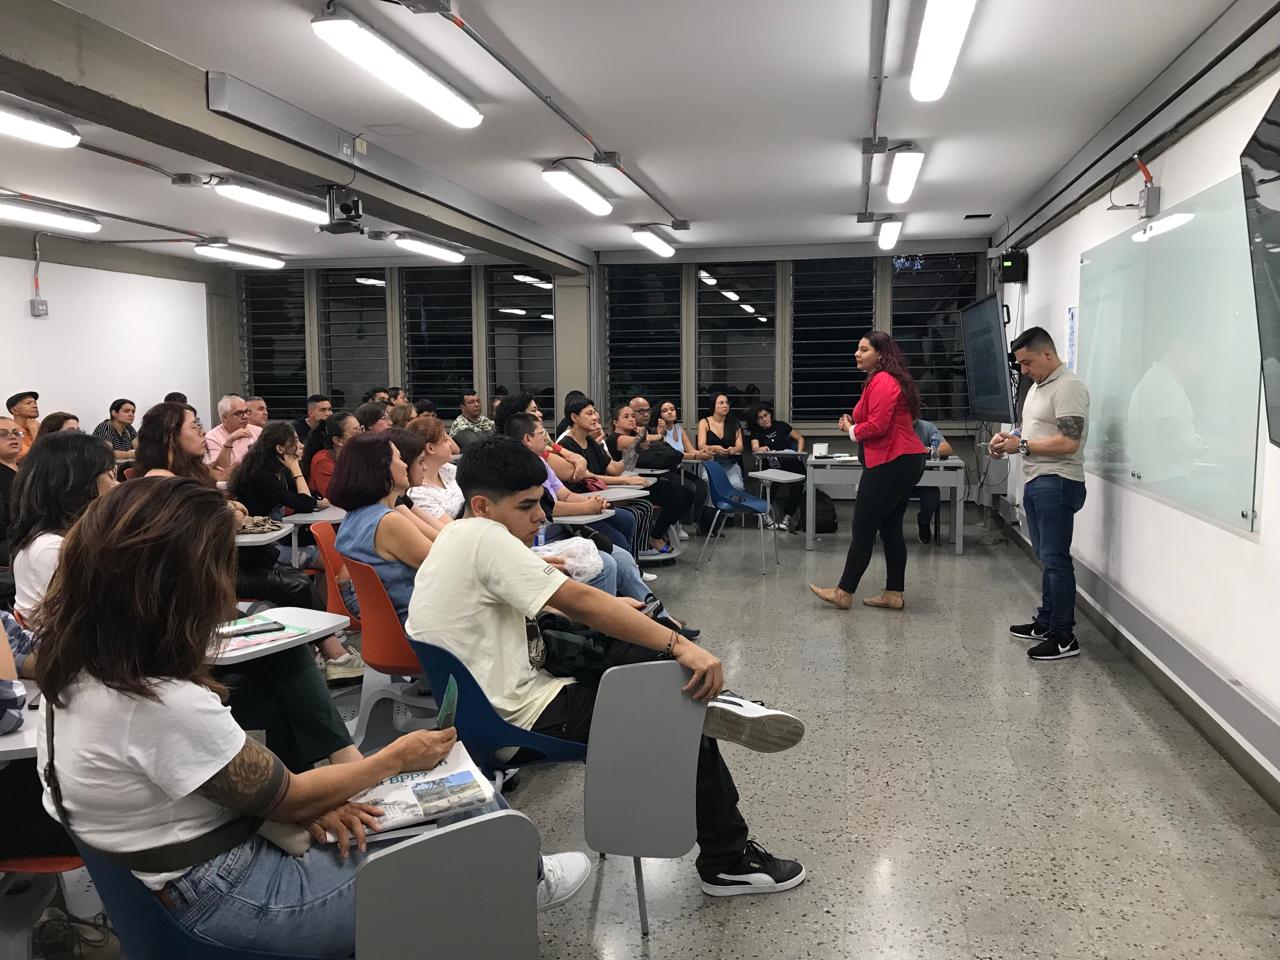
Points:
[(986, 361)]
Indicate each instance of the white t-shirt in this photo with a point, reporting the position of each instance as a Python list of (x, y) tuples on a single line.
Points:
[(33, 570), (437, 500), (472, 596), (129, 766)]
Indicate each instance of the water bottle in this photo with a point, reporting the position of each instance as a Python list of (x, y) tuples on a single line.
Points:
[(541, 539), (935, 442)]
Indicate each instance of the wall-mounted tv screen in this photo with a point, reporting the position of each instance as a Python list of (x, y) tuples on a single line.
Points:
[(986, 360)]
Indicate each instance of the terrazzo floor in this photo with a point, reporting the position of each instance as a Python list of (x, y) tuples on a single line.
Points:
[(951, 798)]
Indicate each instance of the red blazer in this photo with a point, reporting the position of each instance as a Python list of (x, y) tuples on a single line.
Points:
[(882, 422)]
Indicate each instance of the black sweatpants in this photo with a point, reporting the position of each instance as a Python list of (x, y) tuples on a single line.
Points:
[(882, 503), (722, 833), (672, 500)]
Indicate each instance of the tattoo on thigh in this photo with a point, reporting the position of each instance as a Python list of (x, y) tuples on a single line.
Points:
[(253, 783), (1071, 427)]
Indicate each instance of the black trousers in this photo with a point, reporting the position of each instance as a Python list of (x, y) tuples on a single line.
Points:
[(930, 501), (672, 501), (722, 833), (882, 503)]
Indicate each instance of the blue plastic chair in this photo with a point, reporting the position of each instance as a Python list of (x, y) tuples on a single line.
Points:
[(728, 499), (479, 727), (146, 929)]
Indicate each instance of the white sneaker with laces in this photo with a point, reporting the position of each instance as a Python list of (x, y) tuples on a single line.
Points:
[(752, 724), (349, 666), (563, 875)]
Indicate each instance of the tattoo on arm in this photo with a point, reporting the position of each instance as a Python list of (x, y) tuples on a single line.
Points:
[(253, 783), (1071, 427)]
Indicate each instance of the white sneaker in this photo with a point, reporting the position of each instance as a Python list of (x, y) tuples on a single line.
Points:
[(682, 533), (348, 667), (563, 875), (751, 723), (648, 577)]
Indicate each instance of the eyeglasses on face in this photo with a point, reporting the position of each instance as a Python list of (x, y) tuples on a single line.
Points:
[(11, 434)]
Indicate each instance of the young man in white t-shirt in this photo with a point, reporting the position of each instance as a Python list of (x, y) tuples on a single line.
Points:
[(481, 585)]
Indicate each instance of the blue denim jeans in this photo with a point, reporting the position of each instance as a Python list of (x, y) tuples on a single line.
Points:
[(1052, 503), (255, 896)]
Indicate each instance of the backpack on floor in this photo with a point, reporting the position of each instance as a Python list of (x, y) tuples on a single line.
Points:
[(824, 514)]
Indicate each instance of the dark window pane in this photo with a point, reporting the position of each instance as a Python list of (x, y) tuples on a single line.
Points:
[(521, 333), (736, 334), (643, 308), (832, 306), (353, 333), (438, 346), (274, 344)]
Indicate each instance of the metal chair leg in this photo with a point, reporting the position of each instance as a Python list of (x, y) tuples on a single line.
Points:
[(760, 518), (644, 909), (711, 533)]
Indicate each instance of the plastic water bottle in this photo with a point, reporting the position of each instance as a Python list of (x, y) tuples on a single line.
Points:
[(541, 539), (935, 442)]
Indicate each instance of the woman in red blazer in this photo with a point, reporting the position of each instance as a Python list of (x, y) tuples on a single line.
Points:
[(893, 458)]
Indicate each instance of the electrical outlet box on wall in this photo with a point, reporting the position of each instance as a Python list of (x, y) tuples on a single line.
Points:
[(39, 307)]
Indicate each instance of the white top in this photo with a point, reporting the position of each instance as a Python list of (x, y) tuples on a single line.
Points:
[(471, 596), (437, 500), (129, 767), (33, 568)]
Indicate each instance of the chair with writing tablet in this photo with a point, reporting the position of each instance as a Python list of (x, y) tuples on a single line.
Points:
[(728, 499)]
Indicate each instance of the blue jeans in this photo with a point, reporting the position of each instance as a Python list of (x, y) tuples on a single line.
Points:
[(620, 528), (1052, 503), (255, 896), (607, 579)]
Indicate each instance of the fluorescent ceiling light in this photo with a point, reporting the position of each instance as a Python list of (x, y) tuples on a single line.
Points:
[(371, 281), (238, 255), (903, 173), (729, 295), (763, 319), (706, 278), (747, 307), (16, 122), (364, 46), (39, 215), (266, 200), (525, 278), (889, 230), (942, 33), (646, 237), (577, 191), (1163, 225), (514, 311), (548, 316), (429, 249)]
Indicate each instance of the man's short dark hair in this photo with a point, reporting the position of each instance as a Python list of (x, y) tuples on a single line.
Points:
[(394, 392), (469, 392), (424, 406), (498, 467), (175, 397), (521, 425), (373, 392), (1035, 340), (316, 398)]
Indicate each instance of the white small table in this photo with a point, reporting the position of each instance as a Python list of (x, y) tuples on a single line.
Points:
[(619, 494), (22, 742), (261, 539), (296, 521), (769, 478), (316, 625), (583, 519)]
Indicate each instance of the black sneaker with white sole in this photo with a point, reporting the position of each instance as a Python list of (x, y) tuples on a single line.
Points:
[(758, 871), (1035, 630), (1056, 646), (751, 724)]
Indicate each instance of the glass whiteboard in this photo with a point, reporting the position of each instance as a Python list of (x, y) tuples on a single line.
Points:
[(1169, 352)]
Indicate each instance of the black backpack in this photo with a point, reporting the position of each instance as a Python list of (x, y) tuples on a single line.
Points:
[(659, 455), (824, 514)]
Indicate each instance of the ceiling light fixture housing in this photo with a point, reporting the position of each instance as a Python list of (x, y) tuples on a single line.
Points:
[(44, 215), (25, 125), (577, 190), (903, 173), (647, 238), (255, 196), (942, 32), (889, 232), (217, 250), (426, 249)]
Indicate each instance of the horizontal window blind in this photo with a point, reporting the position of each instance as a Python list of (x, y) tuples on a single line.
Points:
[(736, 334), (521, 337), (832, 307), (643, 313), (438, 346), (353, 333), (928, 292), (273, 341)]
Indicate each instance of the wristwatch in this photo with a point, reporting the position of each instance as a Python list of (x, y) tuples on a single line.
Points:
[(1022, 446)]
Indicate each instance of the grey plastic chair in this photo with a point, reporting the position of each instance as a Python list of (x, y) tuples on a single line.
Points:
[(642, 767), (467, 891)]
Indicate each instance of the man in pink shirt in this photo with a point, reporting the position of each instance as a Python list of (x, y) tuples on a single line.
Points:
[(226, 444)]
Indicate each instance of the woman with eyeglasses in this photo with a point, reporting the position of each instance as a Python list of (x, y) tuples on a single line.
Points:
[(373, 416)]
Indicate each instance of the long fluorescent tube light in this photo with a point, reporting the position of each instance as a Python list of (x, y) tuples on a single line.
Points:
[(942, 33), (577, 191), (266, 200), (514, 311), (39, 215), (429, 249), (364, 46), (646, 237), (1166, 223), (889, 230), (371, 281), (729, 295), (747, 307), (238, 255), (706, 278), (903, 173), (548, 316), (24, 125), (540, 284)]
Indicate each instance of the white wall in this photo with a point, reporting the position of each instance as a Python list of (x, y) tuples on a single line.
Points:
[(1216, 591), (107, 335)]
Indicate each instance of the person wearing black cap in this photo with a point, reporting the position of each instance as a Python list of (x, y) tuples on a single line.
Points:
[(26, 413)]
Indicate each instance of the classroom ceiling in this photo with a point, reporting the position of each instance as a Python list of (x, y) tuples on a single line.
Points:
[(746, 115)]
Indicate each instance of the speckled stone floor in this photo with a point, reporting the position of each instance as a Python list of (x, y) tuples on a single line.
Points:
[(951, 799)]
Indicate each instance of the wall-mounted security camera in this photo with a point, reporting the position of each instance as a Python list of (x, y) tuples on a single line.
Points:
[(345, 211)]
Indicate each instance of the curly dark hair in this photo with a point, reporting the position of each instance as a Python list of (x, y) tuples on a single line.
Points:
[(321, 438)]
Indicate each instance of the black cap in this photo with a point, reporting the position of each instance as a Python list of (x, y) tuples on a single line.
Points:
[(19, 397)]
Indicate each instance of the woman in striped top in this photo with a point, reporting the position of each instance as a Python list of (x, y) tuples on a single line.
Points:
[(118, 429)]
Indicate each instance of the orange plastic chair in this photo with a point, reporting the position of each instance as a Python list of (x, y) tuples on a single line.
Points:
[(326, 540), (382, 641)]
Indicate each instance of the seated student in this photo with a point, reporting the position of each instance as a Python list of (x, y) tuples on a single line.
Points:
[(319, 409), (399, 397), (144, 754), (24, 409), (518, 403), (400, 415), (670, 500), (377, 395), (118, 429), (768, 434), (368, 483), (425, 408), (10, 447), (324, 443), (474, 596), (471, 425), (226, 444), (373, 417), (720, 435), (57, 422), (930, 497), (176, 396), (412, 446), (58, 480), (258, 413), (434, 490), (269, 479)]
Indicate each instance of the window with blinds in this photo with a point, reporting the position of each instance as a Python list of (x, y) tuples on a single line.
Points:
[(643, 314), (273, 341), (438, 347), (736, 334), (353, 333), (832, 306), (521, 338), (928, 292)]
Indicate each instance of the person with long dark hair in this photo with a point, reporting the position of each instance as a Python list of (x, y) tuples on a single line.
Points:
[(720, 435), (270, 477), (893, 458), (670, 499), (324, 443), (57, 422)]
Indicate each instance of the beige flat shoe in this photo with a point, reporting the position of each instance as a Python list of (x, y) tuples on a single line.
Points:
[(889, 600), (833, 595)]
